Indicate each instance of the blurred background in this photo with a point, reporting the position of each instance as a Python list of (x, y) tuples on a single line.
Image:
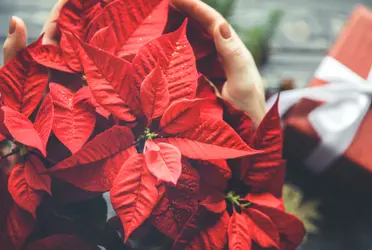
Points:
[(288, 39)]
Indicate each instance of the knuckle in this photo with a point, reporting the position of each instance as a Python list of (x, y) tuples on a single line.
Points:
[(236, 52), (194, 6), (240, 57), (242, 67)]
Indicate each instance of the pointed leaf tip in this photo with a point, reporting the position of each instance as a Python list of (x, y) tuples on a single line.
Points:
[(164, 161), (74, 120), (210, 138), (175, 54), (128, 24), (23, 82), (108, 79), (34, 168), (44, 122), (154, 94), (238, 232), (21, 129), (261, 228), (268, 138), (22, 193), (178, 116), (134, 194)]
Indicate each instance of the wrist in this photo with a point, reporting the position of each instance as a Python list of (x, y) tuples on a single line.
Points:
[(252, 104), (256, 116), (255, 108)]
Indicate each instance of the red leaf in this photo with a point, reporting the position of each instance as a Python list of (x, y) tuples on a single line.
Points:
[(22, 193), (211, 139), (18, 225), (211, 67), (33, 167), (258, 170), (200, 39), (128, 25), (189, 231), (178, 204), (134, 194), (70, 51), (291, 229), (104, 145), (215, 202), (74, 19), (211, 105), (177, 60), (261, 228), (213, 177), (61, 242), (238, 231), (163, 161), (212, 236), (154, 94), (74, 120), (240, 121), (99, 109), (106, 75), (21, 129), (265, 199), (105, 39), (49, 55), (223, 166), (177, 117), (76, 14), (275, 185), (22, 83), (44, 121), (96, 176)]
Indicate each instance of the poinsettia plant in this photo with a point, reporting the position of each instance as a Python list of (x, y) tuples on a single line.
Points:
[(123, 105)]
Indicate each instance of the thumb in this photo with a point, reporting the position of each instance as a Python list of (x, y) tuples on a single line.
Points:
[(50, 27), (244, 88), (16, 40), (238, 62)]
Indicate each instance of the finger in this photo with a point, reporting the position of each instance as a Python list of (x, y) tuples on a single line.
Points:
[(236, 58), (201, 12), (240, 70), (50, 27), (16, 40)]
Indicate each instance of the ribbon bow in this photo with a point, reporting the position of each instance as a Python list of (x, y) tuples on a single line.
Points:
[(347, 99)]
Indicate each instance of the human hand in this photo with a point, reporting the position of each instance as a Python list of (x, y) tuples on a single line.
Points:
[(17, 35), (243, 88)]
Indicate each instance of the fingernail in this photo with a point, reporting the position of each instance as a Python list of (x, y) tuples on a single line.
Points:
[(12, 25), (225, 30)]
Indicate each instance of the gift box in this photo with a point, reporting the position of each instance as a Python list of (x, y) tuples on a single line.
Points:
[(353, 48), (352, 171), (340, 154)]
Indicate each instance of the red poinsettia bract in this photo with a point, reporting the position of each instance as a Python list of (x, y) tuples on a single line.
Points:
[(128, 110)]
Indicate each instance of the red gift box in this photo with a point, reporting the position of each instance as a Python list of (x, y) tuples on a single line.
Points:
[(353, 169), (353, 48)]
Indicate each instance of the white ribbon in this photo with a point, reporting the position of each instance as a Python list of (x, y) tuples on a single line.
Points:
[(347, 99)]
